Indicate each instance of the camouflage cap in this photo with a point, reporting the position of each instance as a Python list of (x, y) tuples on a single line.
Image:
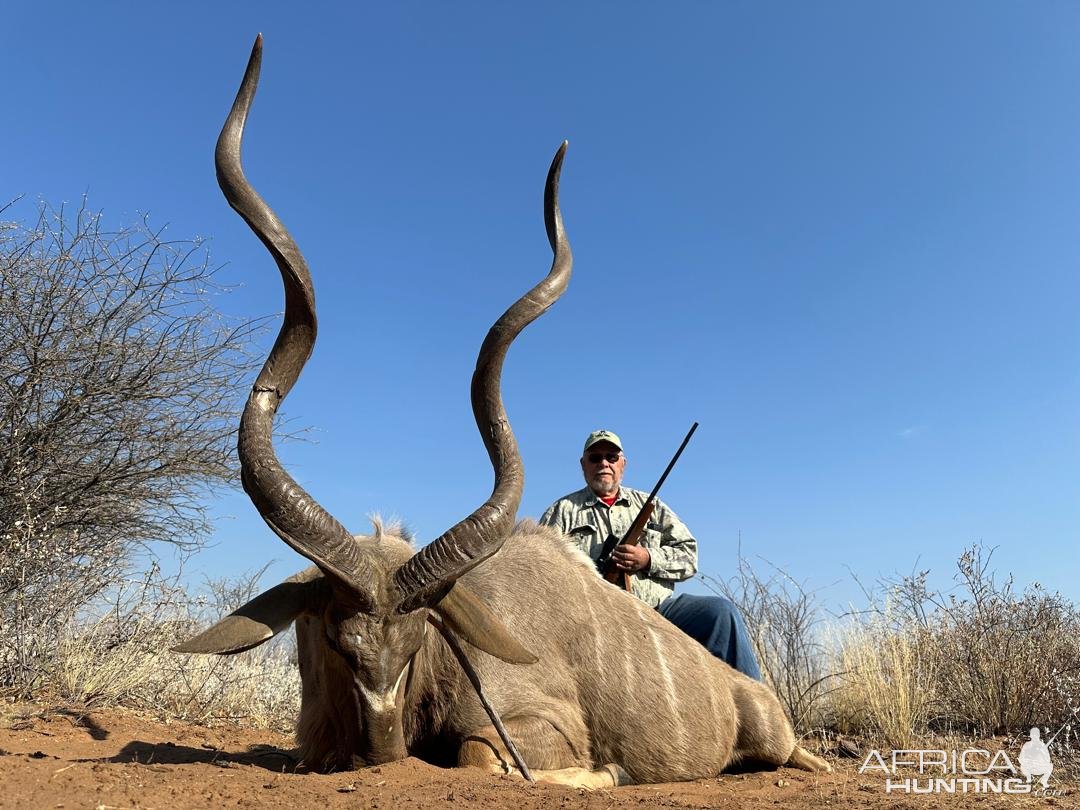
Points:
[(602, 436)]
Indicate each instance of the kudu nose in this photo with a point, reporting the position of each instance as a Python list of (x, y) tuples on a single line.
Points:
[(384, 741)]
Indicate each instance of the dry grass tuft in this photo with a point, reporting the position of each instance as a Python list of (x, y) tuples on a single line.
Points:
[(117, 654), (886, 683)]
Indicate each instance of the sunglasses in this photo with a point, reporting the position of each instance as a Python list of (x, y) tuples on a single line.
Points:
[(596, 458)]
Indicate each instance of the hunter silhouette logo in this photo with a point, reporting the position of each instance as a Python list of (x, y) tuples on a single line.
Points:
[(1035, 758)]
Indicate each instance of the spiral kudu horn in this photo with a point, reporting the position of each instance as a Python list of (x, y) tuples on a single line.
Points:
[(429, 575), (287, 509)]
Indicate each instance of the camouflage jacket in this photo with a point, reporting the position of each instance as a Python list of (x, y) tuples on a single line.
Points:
[(588, 522)]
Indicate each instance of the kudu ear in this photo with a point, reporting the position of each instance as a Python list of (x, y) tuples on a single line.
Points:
[(257, 621), (463, 612)]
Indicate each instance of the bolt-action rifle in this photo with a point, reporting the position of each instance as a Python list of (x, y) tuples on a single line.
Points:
[(633, 535)]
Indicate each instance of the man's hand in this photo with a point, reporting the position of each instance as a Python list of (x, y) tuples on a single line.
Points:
[(631, 558)]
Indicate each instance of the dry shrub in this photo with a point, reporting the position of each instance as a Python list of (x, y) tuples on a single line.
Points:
[(1003, 661), (782, 618), (120, 656), (119, 400), (120, 389), (979, 660)]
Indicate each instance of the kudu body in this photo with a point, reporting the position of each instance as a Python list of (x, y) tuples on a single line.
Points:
[(594, 687)]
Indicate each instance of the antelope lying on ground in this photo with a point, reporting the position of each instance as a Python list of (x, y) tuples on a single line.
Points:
[(600, 690)]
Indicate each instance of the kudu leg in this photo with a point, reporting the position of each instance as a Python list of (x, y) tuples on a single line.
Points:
[(804, 760), (765, 735), (547, 753)]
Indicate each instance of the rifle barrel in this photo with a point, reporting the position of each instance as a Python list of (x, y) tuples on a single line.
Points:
[(671, 464)]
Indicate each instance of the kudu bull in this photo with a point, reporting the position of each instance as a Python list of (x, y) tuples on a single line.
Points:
[(613, 694)]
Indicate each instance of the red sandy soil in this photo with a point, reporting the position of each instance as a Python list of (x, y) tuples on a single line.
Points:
[(116, 759)]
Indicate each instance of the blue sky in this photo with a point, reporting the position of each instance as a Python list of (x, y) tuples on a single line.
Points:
[(844, 237)]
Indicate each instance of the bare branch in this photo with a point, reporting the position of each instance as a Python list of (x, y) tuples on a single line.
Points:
[(119, 396)]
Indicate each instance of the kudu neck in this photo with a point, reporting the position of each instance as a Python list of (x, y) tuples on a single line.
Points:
[(432, 690)]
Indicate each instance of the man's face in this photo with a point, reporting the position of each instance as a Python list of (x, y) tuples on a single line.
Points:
[(602, 474)]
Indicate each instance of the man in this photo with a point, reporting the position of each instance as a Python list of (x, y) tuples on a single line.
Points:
[(667, 552)]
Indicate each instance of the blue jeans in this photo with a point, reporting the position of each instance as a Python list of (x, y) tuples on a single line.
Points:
[(716, 624)]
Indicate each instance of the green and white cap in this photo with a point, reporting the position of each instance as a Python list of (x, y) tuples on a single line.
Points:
[(602, 436)]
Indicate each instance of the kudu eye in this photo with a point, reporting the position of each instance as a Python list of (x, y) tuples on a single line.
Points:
[(334, 638)]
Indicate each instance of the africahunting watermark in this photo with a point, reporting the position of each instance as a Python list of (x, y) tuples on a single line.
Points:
[(971, 770)]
